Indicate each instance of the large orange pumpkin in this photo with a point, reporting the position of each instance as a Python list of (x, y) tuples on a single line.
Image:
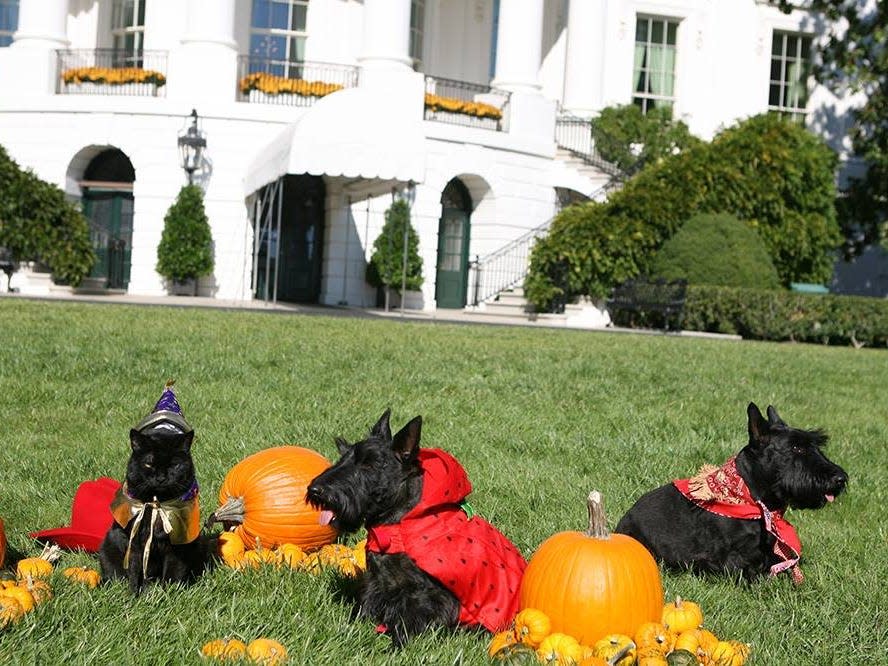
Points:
[(264, 496), (2, 544), (593, 583)]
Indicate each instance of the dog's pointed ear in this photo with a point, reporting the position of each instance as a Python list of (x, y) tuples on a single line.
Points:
[(382, 430), (342, 445), (759, 429), (774, 417), (406, 441), (137, 440), (186, 441)]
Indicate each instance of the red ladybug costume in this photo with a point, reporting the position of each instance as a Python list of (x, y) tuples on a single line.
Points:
[(467, 555)]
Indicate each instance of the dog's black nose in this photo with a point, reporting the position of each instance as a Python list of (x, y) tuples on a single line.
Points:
[(315, 492), (839, 480)]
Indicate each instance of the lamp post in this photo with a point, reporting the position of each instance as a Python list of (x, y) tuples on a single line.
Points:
[(410, 197), (192, 142)]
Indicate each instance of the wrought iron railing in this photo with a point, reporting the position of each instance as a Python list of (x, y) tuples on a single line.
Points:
[(273, 81), (467, 104), (111, 72), (504, 268), (575, 135)]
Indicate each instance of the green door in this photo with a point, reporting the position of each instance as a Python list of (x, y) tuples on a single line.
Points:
[(110, 215), (453, 247)]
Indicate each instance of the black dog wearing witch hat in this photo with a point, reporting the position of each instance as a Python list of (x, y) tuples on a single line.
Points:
[(156, 533), (730, 518)]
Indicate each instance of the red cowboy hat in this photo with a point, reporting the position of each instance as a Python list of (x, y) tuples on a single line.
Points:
[(90, 517)]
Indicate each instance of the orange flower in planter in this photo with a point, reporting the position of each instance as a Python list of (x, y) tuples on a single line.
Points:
[(114, 76), (277, 85)]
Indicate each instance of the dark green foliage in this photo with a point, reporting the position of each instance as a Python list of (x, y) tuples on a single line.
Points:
[(767, 314), (767, 171), (617, 128), (185, 251), (854, 58), (387, 263), (716, 250), (38, 224)]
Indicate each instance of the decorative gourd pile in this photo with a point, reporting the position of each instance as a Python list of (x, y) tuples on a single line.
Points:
[(29, 590), (677, 640), (263, 499), (348, 561), (261, 651)]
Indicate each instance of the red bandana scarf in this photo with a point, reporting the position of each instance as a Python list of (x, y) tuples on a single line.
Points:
[(723, 491), (467, 555)]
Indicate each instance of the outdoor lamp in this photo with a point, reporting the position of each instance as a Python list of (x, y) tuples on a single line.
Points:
[(192, 142)]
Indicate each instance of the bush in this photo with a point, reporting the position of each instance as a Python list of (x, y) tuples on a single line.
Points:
[(38, 224), (767, 314), (618, 130), (767, 171), (185, 251), (716, 250), (387, 262)]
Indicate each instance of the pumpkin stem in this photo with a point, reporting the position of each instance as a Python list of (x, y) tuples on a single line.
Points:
[(51, 553), (597, 521), (230, 512), (678, 602), (622, 653)]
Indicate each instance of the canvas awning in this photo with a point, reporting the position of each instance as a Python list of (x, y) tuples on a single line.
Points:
[(354, 133)]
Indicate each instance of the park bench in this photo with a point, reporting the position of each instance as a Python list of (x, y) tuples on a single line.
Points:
[(642, 295)]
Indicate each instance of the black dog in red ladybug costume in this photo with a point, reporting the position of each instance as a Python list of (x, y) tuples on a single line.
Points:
[(429, 560)]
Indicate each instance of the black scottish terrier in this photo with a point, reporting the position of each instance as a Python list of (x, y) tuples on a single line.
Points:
[(730, 519), (153, 537), (428, 562)]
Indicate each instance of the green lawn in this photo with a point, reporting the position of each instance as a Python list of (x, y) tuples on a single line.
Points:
[(537, 417)]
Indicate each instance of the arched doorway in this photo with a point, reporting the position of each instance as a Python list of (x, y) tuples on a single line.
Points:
[(107, 188), (451, 278)]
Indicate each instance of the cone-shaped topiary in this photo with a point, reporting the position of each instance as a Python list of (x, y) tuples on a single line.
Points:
[(386, 264), (186, 245)]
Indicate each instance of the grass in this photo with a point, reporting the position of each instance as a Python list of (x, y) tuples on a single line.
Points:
[(537, 417)]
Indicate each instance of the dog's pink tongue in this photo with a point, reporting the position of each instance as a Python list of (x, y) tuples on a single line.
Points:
[(325, 517), (830, 498)]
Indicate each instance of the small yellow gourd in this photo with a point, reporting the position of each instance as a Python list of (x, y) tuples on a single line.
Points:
[(10, 611), (559, 649), (20, 594), (83, 575), (289, 555), (682, 615), (39, 589), (617, 649), (655, 635), (267, 652), (224, 648), (532, 626), (38, 567), (231, 548), (499, 641)]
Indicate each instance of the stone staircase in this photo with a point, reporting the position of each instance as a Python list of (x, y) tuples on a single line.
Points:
[(511, 303)]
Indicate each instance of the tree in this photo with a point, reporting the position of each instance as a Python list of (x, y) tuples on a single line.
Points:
[(38, 224), (185, 251), (387, 263), (855, 59), (628, 138)]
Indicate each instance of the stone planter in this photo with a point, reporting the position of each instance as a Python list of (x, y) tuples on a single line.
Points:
[(184, 288), (413, 300)]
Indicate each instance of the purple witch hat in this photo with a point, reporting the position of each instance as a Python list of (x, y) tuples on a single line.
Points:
[(166, 413)]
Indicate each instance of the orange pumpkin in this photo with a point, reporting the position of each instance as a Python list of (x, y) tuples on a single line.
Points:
[(593, 583), (225, 649), (83, 575), (38, 567), (266, 651), (2, 544), (264, 497)]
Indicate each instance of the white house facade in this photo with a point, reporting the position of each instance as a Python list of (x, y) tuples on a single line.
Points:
[(316, 113)]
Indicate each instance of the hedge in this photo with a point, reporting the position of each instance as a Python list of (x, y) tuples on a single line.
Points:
[(769, 172), (778, 315)]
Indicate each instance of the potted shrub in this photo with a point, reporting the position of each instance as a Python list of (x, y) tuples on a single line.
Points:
[(386, 268), (185, 252)]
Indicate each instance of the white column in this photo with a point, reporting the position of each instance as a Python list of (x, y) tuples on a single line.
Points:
[(42, 24), (584, 63), (386, 35), (204, 67), (519, 45)]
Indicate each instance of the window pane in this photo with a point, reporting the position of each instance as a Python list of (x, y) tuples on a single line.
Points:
[(5, 40), (774, 95), (261, 14), (141, 21), (300, 13), (297, 49), (280, 15), (775, 69), (258, 45), (806, 48), (777, 44), (641, 30), (657, 32), (128, 12), (671, 34)]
